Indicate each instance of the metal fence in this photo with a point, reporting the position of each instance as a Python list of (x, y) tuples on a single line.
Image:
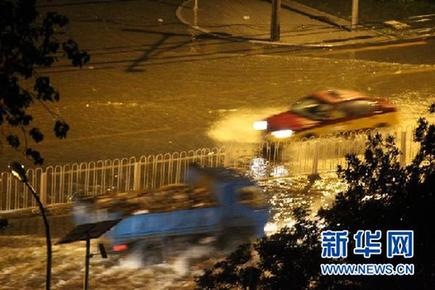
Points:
[(57, 184)]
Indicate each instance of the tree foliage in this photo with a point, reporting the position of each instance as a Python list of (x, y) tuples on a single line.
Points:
[(270, 263), (381, 195), (29, 42)]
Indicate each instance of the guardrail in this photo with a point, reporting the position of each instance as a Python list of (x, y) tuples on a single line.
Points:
[(57, 184)]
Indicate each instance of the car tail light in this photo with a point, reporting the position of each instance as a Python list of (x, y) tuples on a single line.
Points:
[(386, 106), (119, 248)]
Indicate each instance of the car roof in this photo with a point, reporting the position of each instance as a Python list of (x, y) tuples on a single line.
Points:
[(339, 96)]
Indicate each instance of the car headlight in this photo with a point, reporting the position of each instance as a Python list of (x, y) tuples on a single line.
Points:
[(260, 125), (282, 133)]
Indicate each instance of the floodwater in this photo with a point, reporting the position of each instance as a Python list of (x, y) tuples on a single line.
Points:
[(152, 88), (201, 104), (23, 248)]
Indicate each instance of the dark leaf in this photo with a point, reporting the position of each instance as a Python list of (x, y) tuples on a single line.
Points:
[(61, 129), (13, 140), (35, 156), (36, 134), (28, 43)]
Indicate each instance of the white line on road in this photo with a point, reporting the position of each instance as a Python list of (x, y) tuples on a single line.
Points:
[(136, 132), (388, 46)]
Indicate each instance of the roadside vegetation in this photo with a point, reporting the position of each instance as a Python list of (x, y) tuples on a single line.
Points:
[(382, 194), (28, 42)]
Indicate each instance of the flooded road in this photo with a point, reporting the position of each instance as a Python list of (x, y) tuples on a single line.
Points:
[(413, 52), (153, 86), (23, 247)]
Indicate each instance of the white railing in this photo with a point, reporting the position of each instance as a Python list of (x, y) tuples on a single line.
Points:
[(57, 184)]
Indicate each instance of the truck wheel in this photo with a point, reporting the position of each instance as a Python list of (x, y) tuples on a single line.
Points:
[(149, 253), (231, 238)]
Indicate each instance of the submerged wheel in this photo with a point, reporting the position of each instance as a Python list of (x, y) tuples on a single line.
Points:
[(231, 238), (145, 253)]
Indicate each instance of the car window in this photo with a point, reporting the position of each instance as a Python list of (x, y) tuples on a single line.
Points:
[(312, 108), (358, 108)]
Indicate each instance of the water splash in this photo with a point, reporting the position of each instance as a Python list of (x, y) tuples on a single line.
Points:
[(237, 126)]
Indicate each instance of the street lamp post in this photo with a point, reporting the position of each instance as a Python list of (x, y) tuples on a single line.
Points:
[(355, 12), (18, 171), (275, 21), (195, 14)]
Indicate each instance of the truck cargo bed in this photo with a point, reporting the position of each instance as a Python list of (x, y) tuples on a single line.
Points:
[(172, 223)]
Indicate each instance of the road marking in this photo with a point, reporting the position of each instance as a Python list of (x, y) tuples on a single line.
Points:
[(387, 46), (137, 132), (421, 16), (408, 71)]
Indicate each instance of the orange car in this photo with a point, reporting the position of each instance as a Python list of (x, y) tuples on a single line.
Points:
[(328, 112)]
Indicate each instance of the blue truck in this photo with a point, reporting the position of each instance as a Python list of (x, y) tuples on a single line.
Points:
[(238, 210)]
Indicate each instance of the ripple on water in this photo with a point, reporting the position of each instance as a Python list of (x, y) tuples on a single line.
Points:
[(287, 194)]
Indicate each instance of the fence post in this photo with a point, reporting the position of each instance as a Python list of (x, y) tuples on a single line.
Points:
[(9, 192), (314, 170), (43, 188), (228, 156), (403, 148), (136, 176)]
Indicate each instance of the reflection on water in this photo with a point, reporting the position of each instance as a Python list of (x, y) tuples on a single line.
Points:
[(286, 194)]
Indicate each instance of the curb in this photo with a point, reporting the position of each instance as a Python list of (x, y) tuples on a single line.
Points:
[(320, 45), (180, 17), (316, 14), (203, 30)]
